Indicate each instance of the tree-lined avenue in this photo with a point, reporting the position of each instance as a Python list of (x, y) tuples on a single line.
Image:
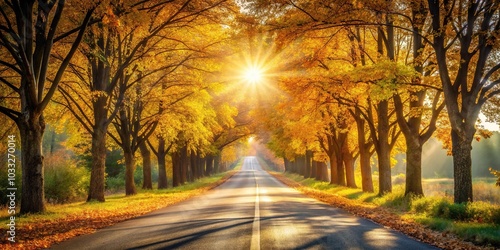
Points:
[(252, 210)]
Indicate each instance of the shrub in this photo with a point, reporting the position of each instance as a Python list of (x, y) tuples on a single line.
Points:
[(115, 184), (64, 181), (482, 212), (422, 204), (441, 209), (458, 212), (496, 216)]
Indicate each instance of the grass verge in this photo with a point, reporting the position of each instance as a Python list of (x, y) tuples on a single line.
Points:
[(61, 222), (397, 212)]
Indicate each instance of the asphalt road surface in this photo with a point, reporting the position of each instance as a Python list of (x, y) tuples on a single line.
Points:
[(252, 210)]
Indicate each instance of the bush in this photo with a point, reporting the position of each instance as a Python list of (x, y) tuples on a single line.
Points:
[(496, 216), (64, 181), (440, 209), (116, 184), (458, 212), (422, 204), (482, 212)]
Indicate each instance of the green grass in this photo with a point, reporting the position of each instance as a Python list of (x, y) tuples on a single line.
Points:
[(478, 222)]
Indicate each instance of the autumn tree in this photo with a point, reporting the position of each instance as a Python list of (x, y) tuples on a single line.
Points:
[(418, 106), (465, 40), (28, 33)]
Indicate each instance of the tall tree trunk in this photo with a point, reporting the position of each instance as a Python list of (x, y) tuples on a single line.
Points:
[(129, 172), (364, 154), (184, 164), (413, 166), (462, 170), (318, 168), (176, 169), (210, 164), (324, 171), (162, 168), (349, 166), (217, 160), (334, 176), (147, 182), (287, 164), (384, 149), (194, 165), (202, 162), (340, 169), (314, 169), (411, 126), (307, 165), (31, 131), (97, 174)]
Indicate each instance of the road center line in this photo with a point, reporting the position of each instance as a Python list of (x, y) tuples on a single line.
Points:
[(255, 243)]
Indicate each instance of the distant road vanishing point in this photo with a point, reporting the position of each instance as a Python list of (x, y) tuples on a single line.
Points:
[(252, 210)]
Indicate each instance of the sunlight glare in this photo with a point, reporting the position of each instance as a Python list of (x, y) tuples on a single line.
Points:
[(253, 75)]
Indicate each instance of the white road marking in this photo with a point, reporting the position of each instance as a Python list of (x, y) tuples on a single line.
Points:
[(255, 243)]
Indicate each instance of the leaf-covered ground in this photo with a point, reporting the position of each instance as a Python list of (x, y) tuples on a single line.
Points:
[(42, 231), (383, 216)]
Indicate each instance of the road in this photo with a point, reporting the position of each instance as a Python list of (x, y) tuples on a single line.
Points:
[(252, 210)]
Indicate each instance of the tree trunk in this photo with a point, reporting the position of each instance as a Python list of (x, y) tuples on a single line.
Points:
[(287, 164), (366, 170), (97, 174), (201, 165), (184, 164), (462, 167), (334, 176), (314, 169), (194, 165), (349, 166), (384, 149), (340, 169), (307, 165), (147, 182), (32, 197), (364, 154), (413, 167), (162, 168), (129, 173), (323, 171), (217, 160), (210, 164), (318, 176), (176, 169)]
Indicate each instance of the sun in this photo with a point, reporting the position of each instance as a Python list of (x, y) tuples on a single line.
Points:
[(253, 74)]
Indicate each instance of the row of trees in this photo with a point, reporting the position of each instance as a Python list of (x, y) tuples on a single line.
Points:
[(140, 75), (369, 77)]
